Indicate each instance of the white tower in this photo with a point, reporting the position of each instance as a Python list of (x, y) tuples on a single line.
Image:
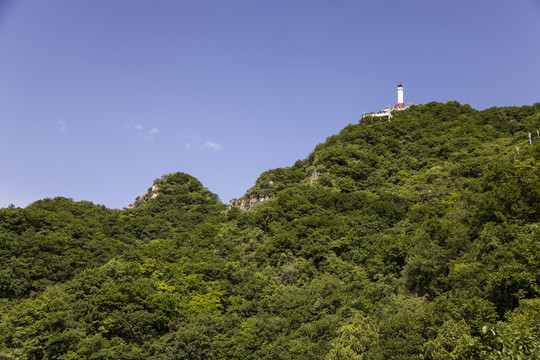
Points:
[(400, 94)]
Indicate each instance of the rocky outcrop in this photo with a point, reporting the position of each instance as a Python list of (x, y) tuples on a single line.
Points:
[(314, 176), (249, 203), (143, 198)]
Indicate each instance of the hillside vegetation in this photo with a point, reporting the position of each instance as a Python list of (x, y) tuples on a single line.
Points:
[(415, 238)]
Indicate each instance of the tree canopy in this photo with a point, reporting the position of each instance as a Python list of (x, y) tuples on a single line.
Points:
[(414, 238)]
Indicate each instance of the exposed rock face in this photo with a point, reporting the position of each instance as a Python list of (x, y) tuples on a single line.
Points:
[(152, 194), (253, 200), (154, 191), (314, 176)]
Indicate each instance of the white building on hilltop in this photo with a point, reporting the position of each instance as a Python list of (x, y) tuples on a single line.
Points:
[(387, 112)]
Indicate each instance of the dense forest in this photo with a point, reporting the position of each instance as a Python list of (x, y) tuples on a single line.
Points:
[(411, 238)]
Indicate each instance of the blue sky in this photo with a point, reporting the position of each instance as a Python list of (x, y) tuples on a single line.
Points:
[(99, 98)]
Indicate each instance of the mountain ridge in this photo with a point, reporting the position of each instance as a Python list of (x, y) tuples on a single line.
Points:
[(414, 238)]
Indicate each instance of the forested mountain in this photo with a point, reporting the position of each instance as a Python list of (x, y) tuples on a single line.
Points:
[(414, 238)]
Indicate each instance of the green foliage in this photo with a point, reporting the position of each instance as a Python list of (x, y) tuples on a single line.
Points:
[(52, 240), (355, 339), (453, 341), (518, 338), (414, 238)]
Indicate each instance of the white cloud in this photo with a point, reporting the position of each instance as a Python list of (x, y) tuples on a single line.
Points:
[(193, 142), (212, 145), (62, 126), (145, 134)]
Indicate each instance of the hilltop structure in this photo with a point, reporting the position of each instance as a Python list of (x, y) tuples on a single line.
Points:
[(387, 112)]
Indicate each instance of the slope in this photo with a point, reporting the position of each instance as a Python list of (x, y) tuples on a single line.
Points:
[(415, 238)]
